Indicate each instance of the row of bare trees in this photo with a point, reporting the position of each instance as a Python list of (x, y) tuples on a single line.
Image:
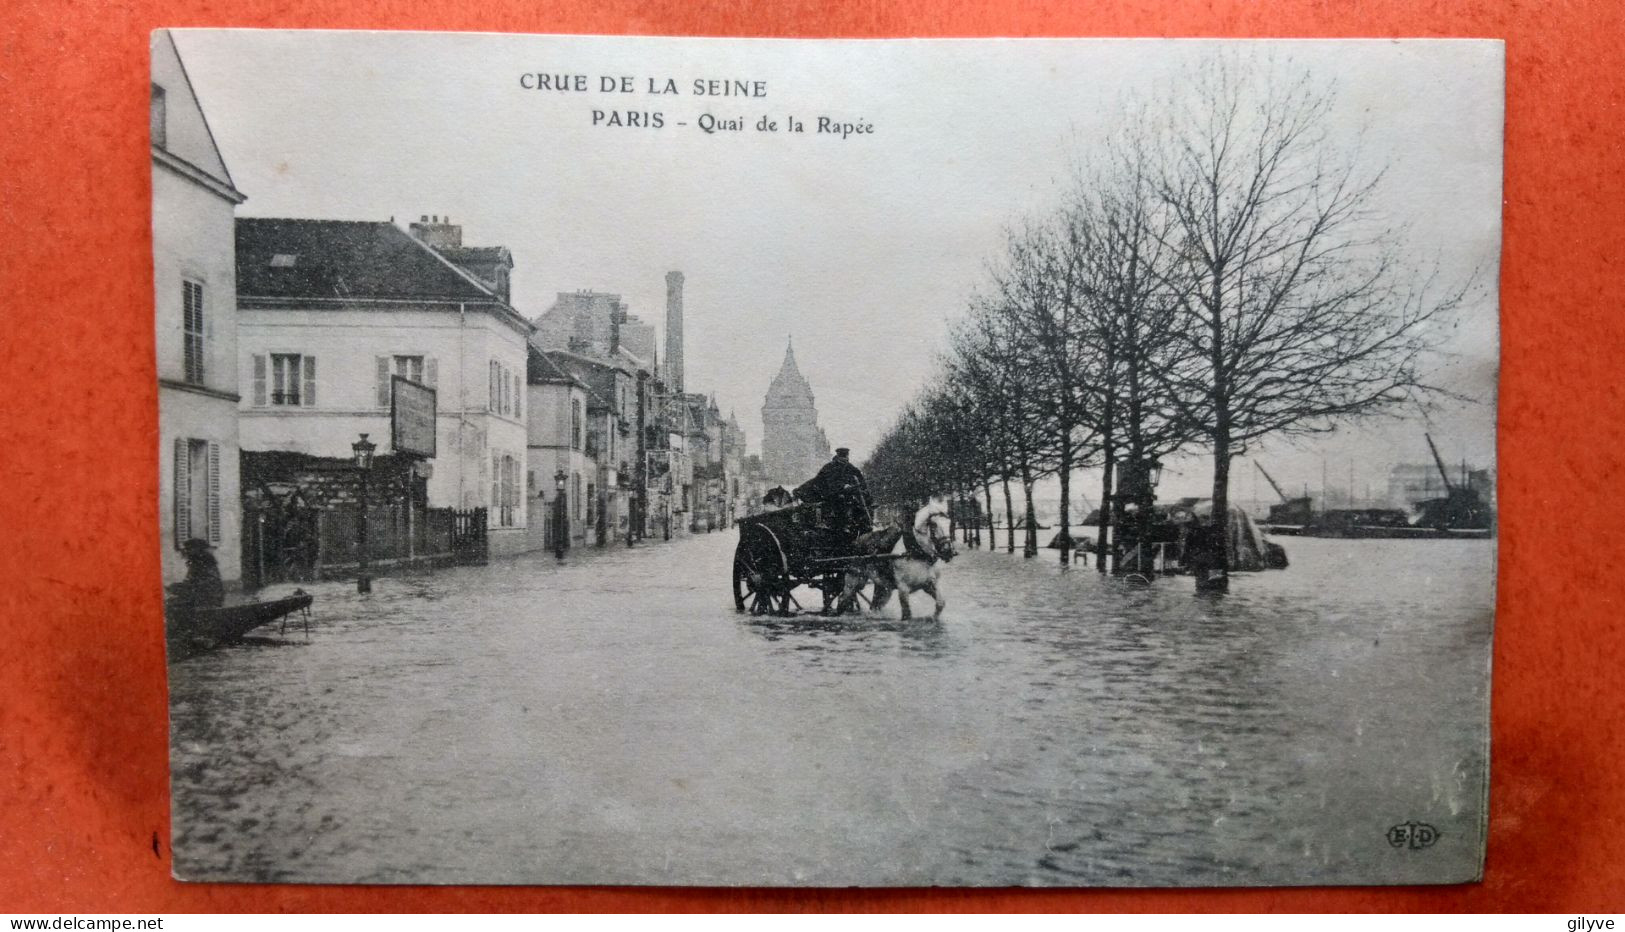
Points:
[(1220, 271)]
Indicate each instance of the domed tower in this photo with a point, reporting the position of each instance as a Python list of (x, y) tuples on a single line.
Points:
[(790, 431)]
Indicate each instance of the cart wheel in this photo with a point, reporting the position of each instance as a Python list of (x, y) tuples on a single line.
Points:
[(831, 585), (752, 587)]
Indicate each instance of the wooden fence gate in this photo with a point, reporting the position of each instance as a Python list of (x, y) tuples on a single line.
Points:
[(468, 537)]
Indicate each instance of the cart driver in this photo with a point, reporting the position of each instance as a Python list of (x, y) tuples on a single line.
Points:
[(839, 486)]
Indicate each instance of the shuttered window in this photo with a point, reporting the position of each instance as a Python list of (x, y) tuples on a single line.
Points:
[(383, 381), (212, 495), (183, 490), (260, 381), (192, 330), (505, 390), (419, 369), (197, 490), (496, 485), (285, 380), (158, 116)]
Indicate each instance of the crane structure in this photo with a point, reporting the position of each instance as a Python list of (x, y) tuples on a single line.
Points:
[(1291, 513), (1271, 480), (1460, 510), (1439, 462)]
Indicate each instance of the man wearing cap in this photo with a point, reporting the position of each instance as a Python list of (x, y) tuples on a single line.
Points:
[(202, 587), (839, 486)]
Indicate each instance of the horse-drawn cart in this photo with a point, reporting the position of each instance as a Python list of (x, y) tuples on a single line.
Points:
[(783, 550)]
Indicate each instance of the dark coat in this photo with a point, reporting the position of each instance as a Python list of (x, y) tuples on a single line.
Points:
[(202, 587), (837, 482)]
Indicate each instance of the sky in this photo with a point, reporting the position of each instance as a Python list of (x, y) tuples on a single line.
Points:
[(862, 248)]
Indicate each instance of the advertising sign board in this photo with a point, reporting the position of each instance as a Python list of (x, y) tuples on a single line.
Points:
[(412, 418)]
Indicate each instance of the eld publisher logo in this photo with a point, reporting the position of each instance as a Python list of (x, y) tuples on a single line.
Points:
[(1413, 835)]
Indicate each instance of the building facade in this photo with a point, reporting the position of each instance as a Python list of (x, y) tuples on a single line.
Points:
[(595, 323), (608, 500), (793, 445), (194, 275), (558, 457), (1410, 483), (331, 311)]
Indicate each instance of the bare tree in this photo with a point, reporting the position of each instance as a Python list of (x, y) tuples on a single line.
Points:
[(987, 361), (1131, 311), (1299, 309), (1040, 286)]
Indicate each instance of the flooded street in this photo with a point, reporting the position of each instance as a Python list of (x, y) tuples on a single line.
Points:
[(614, 721)]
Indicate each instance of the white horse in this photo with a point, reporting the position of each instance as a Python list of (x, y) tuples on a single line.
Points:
[(913, 560)]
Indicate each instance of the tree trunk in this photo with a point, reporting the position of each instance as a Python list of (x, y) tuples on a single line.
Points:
[(1221, 427), (1009, 518), (1221, 504), (1029, 548), (1066, 496), (1101, 536), (992, 537)]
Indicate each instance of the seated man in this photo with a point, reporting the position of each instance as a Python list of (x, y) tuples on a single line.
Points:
[(840, 488), (202, 587)]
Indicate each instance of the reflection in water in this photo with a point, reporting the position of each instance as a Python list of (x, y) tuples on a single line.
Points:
[(612, 721)]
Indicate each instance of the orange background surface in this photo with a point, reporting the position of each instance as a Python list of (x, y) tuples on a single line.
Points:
[(83, 771)]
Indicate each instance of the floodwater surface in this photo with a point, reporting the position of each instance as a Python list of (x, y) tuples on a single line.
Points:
[(612, 720)]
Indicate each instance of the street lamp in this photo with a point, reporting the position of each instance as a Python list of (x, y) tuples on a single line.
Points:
[(363, 449), (1151, 473), (562, 517)]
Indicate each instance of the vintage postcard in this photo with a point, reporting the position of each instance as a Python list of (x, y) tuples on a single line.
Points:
[(594, 460)]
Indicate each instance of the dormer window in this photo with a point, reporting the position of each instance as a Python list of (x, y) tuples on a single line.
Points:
[(159, 117), (283, 260)]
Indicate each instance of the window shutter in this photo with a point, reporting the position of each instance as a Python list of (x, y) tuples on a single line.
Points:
[(310, 381), (431, 372), (491, 402), (259, 381), (183, 489), (383, 381), (214, 492)]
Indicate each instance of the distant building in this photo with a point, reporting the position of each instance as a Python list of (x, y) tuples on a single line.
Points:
[(1409, 483), (793, 445), (330, 311), (556, 417), (604, 501), (194, 274), (594, 323)]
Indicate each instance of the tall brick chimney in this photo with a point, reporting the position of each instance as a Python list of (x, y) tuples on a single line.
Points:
[(674, 331)]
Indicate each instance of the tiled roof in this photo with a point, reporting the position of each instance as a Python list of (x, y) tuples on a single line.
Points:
[(541, 370), (597, 377), (481, 254), (289, 258)]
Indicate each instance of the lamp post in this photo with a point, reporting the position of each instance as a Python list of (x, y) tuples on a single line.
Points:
[(1150, 475), (363, 449), (561, 520)]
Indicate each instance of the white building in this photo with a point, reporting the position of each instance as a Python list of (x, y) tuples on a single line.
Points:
[(193, 204), (559, 450), (330, 310)]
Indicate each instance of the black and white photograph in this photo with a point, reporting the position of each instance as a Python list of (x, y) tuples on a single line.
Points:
[(826, 463)]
